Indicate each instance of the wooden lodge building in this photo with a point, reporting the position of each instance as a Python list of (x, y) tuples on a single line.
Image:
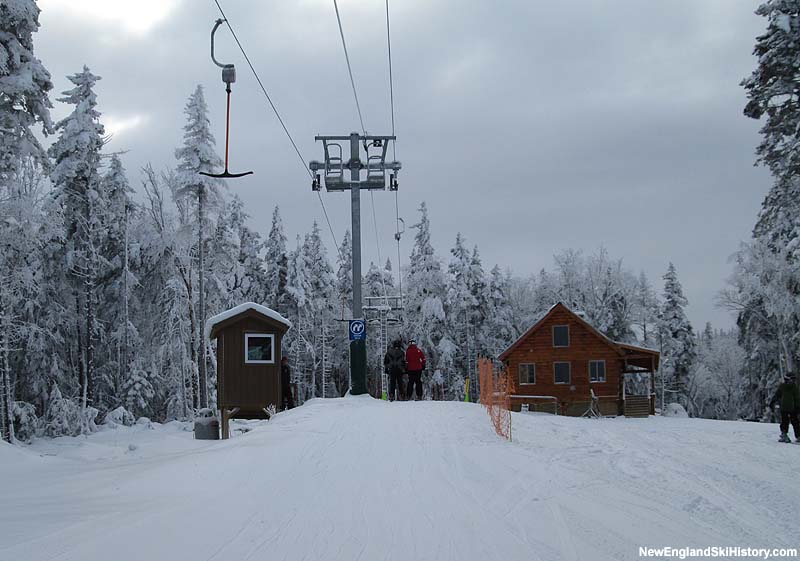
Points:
[(564, 363)]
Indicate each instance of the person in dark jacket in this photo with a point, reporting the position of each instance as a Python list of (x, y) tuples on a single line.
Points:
[(788, 396), (287, 398), (415, 364), (394, 363)]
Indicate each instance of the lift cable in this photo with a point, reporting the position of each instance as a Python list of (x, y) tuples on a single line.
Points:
[(394, 153), (391, 78), (349, 68), (278, 115), (263, 89), (325, 212)]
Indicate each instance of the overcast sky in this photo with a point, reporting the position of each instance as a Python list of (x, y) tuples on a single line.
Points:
[(529, 126)]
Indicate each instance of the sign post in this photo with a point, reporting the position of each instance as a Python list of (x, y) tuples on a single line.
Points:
[(358, 356)]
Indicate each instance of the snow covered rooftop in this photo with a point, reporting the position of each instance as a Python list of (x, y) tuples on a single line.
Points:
[(263, 310)]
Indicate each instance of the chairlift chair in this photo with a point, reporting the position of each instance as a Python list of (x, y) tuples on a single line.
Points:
[(334, 163)]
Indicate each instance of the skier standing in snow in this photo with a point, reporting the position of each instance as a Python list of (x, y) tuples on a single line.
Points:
[(394, 362), (415, 363), (788, 395), (286, 384)]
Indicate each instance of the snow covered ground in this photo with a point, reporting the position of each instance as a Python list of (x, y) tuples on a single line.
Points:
[(358, 479)]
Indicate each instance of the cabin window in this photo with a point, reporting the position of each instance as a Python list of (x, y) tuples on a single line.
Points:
[(527, 373), (259, 348), (561, 372), (561, 335), (597, 370)]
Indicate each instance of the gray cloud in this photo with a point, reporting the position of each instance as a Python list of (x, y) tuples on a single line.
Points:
[(528, 126)]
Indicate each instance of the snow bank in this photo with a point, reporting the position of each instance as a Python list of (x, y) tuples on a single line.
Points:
[(219, 318), (675, 410), (119, 416)]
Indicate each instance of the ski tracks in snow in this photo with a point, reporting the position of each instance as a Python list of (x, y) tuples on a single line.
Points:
[(357, 479)]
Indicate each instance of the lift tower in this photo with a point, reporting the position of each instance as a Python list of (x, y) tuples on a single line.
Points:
[(376, 167)]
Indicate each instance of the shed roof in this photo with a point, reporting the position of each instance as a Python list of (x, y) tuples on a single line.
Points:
[(241, 309)]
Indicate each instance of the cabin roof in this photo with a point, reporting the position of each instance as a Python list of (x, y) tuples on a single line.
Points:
[(623, 349), (243, 309)]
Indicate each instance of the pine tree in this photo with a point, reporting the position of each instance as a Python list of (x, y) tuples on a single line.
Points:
[(762, 292), (197, 155), (24, 83), (244, 279), (297, 341), (117, 276), (24, 103), (344, 275), (22, 326), (677, 337), (77, 188), (772, 88), (425, 319), (500, 318), (646, 310), (765, 285), (277, 264), (138, 391), (773, 94), (320, 294), (388, 276), (460, 308)]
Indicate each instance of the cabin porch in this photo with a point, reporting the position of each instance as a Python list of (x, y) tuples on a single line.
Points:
[(638, 386)]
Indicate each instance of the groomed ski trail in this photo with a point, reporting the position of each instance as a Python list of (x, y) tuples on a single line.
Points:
[(358, 479)]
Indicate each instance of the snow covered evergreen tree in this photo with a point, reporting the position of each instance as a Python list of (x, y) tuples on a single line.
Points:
[(24, 83), (198, 155), (425, 295), (137, 392), (765, 285), (344, 275), (460, 307), (762, 291), (718, 386), (119, 259), (772, 88), (321, 297), (242, 277), (24, 103), (646, 311), (277, 265), (77, 185), (298, 339), (500, 330), (678, 344)]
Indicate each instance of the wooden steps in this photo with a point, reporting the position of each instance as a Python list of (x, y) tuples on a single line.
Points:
[(637, 406)]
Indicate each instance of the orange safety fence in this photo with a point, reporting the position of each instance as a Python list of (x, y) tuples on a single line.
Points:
[(496, 388)]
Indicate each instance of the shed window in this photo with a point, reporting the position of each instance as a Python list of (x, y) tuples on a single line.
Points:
[(527, 373), (597, 370), (561, 335), (259, 348), (561, 372)]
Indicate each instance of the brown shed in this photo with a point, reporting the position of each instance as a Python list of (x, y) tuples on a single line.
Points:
[(249, 340), (563, 362)]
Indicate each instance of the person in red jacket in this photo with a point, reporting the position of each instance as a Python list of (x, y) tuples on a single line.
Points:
[(415, 364)]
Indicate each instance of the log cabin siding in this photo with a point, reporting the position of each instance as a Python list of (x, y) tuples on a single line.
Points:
[(584, 346)]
